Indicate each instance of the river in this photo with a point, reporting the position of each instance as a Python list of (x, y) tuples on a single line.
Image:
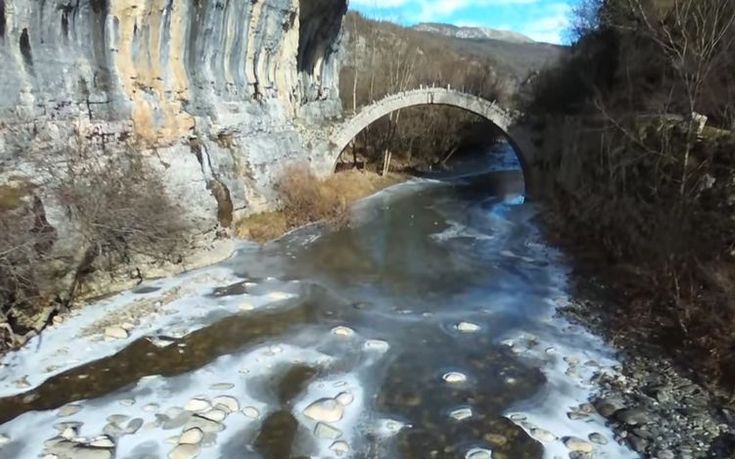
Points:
[(426, 328)]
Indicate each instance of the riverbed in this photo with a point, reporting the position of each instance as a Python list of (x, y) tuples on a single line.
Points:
[(427, 327)]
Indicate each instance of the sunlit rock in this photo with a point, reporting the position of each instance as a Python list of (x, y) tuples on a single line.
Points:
[(184, 451), (542, 435), (102, 442), (197, 404), (251, 412), (191, 436), (214, 415), (116, 332), (326, 432), (117, 418), (325, 410), (454, 377), (225, 401)]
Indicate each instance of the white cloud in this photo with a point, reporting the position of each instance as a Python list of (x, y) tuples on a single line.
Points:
[(550, 28)]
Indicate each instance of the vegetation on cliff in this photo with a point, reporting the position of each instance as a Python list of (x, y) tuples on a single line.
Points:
[(643, 185), (121, 214)]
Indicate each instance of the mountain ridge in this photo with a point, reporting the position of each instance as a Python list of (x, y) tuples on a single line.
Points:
[(476, 33)]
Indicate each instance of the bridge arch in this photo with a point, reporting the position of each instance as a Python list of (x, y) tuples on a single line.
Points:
[(344, 133)]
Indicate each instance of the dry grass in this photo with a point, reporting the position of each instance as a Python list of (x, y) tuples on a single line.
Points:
[(307, 199)]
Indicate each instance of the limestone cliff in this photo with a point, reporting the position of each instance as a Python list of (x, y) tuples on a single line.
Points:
[(215, 95), (160, 72)]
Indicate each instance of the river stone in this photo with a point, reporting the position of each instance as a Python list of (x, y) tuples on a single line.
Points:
[(50, 456), (461, 414), (340, 447), (345, 398), (117, 418), (116, 332), (133, 426), (479, 453), (187, 451), (102, 442), (214, 415), (251, 412), (228, 402), (326, 432), (69, 433), (579, 445), (454, 377), (222, 386), (343, 331), (127, 402), (467, 327), (542, 435), (68, 410), (665, 454), (377, 345), (598, 438), (495, 439), (84, 452), (632, 416), (4, 439), (151, 407), (112, 429), (207, 425), (325, 410), (197, 404), (191, 436)]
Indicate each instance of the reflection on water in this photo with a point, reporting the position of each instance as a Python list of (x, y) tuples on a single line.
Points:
[(384, 338)]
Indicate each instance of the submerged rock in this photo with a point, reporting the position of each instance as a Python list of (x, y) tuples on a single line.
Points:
[(461, 414), (454, 377), (479, 453), (340, 447), (326, 432), (467, 327)]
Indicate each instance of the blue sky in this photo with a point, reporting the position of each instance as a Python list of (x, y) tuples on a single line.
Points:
[(542, 20)]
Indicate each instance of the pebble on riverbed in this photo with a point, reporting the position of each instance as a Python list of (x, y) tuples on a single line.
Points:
[(454, 377)]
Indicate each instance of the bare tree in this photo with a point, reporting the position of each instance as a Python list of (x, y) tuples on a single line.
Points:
[(691, 34)]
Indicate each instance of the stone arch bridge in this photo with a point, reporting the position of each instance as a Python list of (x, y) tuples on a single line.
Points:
[(509, 123)]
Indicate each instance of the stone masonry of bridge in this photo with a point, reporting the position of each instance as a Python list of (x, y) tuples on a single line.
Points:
[(510, 123)]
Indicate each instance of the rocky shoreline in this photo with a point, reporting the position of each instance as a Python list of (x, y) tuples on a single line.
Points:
[(650, 403)]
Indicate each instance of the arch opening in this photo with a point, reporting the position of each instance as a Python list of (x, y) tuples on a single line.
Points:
[(496, 122)]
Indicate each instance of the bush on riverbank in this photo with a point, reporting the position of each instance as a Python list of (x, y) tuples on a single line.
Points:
[(307, 199), (641, 188), (120, 213)]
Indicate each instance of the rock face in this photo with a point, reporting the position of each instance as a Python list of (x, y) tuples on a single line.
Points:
[(215, 95)]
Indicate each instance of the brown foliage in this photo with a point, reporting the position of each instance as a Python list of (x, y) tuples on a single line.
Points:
[(307, 199)]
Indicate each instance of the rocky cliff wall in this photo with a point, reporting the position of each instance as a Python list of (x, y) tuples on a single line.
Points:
[(214, 95), (238, 75)]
